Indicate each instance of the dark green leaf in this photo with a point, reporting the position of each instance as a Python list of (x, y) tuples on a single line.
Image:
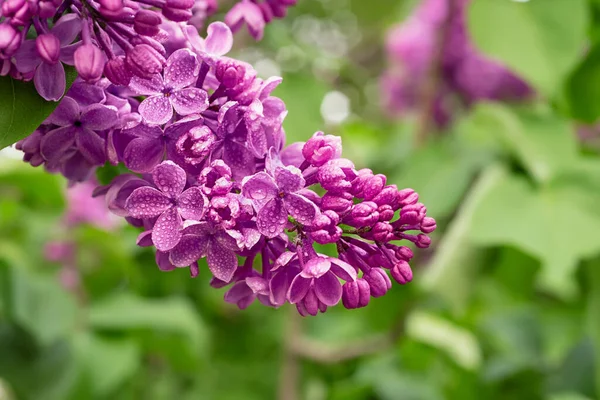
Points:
[(22, 109)]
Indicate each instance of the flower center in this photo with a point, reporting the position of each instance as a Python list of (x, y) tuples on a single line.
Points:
[(196, 144)]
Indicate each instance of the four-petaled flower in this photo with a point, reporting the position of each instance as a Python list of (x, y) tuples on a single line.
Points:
[(169, 202), (210, 241), (277, 197), (175, 91), (80, 128)]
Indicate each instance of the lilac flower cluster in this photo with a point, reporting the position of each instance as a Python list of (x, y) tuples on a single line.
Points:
[(118, 39), (211, 178), (467, 76)]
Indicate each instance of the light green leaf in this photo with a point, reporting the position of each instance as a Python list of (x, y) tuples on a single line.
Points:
[(540, 40), (460, 344), (22, 109), (109, 362), (556, 224), (41, 306), (542, 142), (583, 88), (450, 272), (125, 311)]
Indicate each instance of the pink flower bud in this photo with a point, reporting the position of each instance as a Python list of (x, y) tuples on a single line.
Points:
[(144, 61), (402, 273), (10, 40), (146, 22), (89, 62), (48, 47), (379, 281), (117, 72), (321, 148)]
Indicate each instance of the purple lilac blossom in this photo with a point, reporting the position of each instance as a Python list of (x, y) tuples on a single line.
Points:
[(467, 76), (216, 179)]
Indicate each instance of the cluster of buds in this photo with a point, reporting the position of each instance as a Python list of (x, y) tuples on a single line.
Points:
[(211, 178), (119, 39), (467, 76)]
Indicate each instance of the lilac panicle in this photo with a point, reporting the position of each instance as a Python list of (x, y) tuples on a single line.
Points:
[(215, 180)]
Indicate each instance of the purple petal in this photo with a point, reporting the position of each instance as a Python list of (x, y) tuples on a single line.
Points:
[(163, 262), (147, 202), (67, 28), (189, 101), (91, 146), (238, 292), (328, 289), (192, 204), (27, 58), (145, 131), (221, 261), (260, 187), (343, 270), (299, 207), (272, 218), (166, 232), (182, 69), (219, 39), (268, 86), (239, 158), (86, 94), (67, 54), (50, 81), (289, 179), (77, 168), (55, 143), (156, 110), (147, 87), (65, 114), (189, 249), (316, 267), (169, 178), (280, 284), (144, 239), (98, 117), (226, 241), (259, 285), (143, 154), (298, 289)]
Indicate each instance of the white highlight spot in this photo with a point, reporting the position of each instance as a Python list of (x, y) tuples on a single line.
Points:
[(335, 107)]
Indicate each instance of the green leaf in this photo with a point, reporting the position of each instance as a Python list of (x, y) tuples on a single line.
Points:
[(543, 143), (125, 311), (541, 222), (460, 344), (109, 362), (540, 40), (22, 109), (41, 306), (455, 261), (583, 88), (593, 315)]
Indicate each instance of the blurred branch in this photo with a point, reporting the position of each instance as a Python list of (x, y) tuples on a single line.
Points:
[(325, 353), (433, 79), (290, 369)]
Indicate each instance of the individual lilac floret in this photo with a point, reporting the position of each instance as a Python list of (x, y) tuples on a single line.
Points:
[(46, 55), (169, 202), (173, 91), (80, 128), (276, 197), (319, 277), (206, 240), (321, 148), (218, 42)]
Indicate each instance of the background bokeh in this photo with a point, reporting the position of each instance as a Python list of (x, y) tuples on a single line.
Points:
[(504, 305)]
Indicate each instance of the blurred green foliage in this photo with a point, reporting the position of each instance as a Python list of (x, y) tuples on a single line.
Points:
[(506, 304)]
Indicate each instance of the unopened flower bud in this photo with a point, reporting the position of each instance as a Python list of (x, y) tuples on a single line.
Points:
[(402, 273), (144, 61), (373, 186), (146, 22), (117, 72), (10, 40), (321, 148), (48, 47), (379, 281), (89, 62), (356, 294)]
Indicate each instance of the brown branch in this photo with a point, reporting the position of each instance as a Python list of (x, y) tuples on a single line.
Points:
[(432, 82), (290, 369), (326, 353)]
